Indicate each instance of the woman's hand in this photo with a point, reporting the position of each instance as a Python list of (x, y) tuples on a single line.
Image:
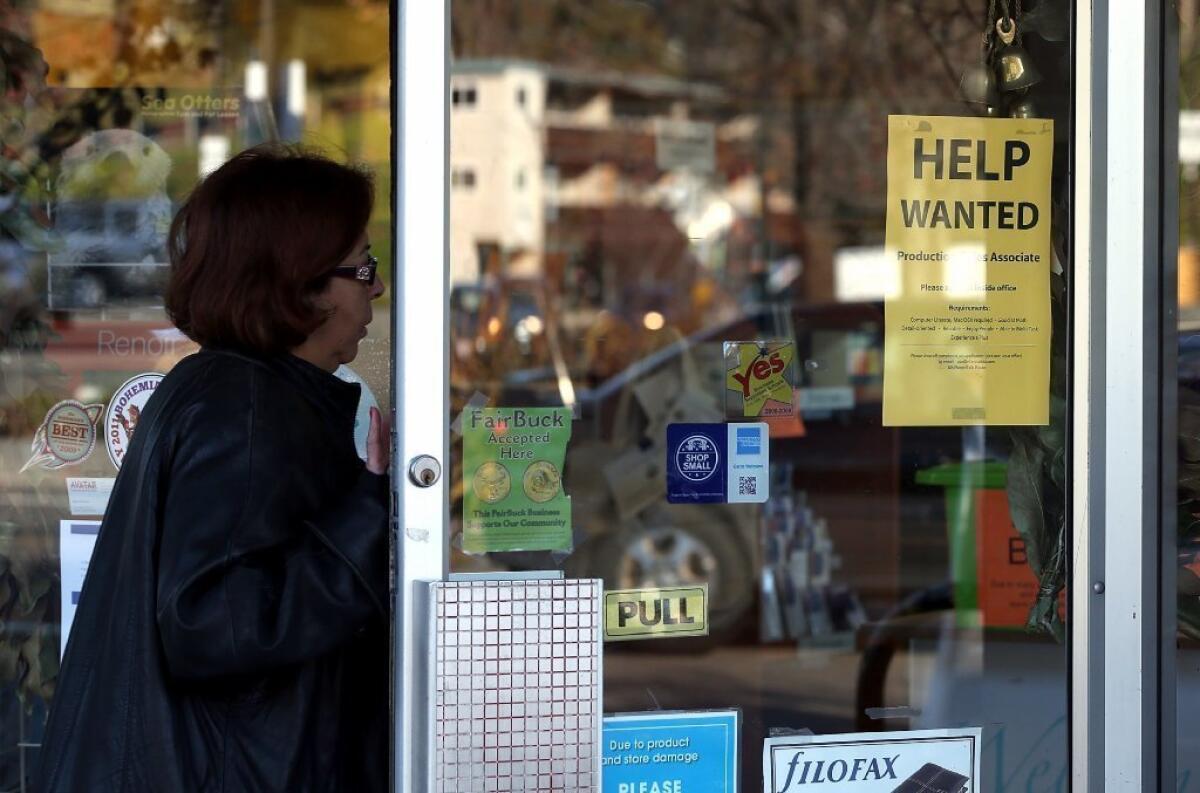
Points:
[(379, 436)]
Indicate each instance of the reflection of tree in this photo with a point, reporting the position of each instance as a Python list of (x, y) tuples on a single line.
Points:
[(818, 79), (36, 128)]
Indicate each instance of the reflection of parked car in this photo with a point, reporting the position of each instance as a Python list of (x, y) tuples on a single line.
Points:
[(851, 467), (112, 251)]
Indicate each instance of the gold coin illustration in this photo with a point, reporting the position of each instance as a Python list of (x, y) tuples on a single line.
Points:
[(492, 482), (541, 481)]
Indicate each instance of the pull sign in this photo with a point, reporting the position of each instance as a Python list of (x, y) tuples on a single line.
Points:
[(655, 613)]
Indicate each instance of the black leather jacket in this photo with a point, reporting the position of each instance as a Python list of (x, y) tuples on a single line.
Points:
[(232, 630)]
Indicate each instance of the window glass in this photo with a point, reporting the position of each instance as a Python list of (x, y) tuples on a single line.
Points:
[(707, 172), (112, 110), (1188, 383)]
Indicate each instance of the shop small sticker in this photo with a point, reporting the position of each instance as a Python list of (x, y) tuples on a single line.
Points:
[(66, 437), (124, 412), (697, 458), (759, 377), (718, 463)]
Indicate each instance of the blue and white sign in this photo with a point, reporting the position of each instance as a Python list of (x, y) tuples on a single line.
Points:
[(717, 463), (671, 752)]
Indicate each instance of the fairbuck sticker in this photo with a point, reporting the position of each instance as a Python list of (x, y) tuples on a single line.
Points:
[(124, 412), (513, 497), (717, 463), (917, 761)]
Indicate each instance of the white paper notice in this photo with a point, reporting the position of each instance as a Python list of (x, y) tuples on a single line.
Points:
[(89, 496), (77, 540), (366, 401), (875, 762)]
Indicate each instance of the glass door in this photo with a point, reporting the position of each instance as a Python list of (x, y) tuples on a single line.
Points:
[(671, 241), (110, 114)]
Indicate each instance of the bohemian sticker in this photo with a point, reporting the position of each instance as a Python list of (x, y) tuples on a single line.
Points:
[(513, 497), (916, 761), (124, 411), (67, 436), (758, 379)]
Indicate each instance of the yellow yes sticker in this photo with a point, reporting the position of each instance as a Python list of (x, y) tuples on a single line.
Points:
[(758, 379)]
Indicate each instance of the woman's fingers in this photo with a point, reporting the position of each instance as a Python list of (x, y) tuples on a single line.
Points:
[(377, 452)]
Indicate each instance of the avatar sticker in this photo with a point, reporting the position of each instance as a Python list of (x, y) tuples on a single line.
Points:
[(124, 411), (759, 377), (67, 436)]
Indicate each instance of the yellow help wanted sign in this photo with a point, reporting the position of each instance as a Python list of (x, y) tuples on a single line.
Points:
[(967, 315)]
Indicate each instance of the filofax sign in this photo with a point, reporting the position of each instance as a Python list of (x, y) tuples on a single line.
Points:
[(928, 761)]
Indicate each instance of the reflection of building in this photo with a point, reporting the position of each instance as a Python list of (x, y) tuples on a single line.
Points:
[(497, 157), (618, 174)]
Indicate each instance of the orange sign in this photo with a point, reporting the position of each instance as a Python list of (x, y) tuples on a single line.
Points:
[(1007, 585)]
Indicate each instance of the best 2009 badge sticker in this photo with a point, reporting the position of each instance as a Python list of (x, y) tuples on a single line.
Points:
[(513, 497), (124, 411), (66, 437)]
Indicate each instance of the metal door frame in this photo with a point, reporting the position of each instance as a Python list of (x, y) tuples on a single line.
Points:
[(1123, 467), (420, 370)]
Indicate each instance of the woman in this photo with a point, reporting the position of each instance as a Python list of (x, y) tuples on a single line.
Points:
[(232, 631)]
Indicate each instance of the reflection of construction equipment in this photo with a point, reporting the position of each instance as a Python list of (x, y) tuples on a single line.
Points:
[(800, 601), (932, 778)]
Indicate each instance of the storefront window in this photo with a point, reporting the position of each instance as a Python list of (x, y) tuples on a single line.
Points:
[(1188, 374), (112, 110), (698, 175)]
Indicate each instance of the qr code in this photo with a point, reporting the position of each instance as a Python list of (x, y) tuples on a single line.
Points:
[(747, 486)]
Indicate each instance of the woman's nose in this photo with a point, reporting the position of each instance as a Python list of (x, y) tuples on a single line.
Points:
[(377, 288)]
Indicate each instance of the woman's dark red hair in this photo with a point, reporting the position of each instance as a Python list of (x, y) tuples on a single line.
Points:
[(256, 240)]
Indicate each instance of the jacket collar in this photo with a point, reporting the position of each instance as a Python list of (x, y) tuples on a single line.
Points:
[(328, 393)]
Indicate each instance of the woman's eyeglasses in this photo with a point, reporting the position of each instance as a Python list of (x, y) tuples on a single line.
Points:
[(364, 272)]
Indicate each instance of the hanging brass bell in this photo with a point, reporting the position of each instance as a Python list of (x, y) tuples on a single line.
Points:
[(978, 85), (1024, 109), (1016, 68), (1017, 71)]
